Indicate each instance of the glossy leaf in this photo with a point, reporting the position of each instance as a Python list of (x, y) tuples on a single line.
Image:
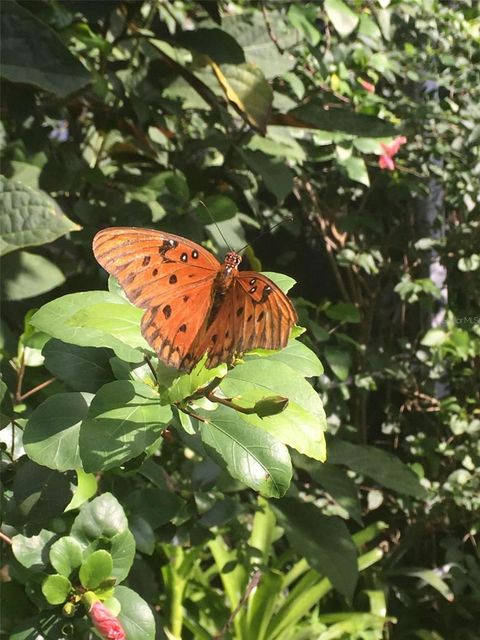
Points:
[(32, 552), (81, 368), (124, 419), (52, 433), (246, 88), (32, 53), (249, 454), (135, 615), (96, 569), (102, 518), (99, 328), (65, 555), (29, 217), (341, 16), (56, 588), (25, 275), (380, 465), (301, 425), (324, 541)]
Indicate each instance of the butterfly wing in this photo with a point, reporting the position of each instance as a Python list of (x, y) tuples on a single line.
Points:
[(169, 276), (255, 313)]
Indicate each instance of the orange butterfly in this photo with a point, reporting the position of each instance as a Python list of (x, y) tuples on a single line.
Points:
[(194, 305)]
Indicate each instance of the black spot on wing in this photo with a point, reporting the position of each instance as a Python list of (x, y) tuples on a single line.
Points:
[(172, 279), (146, 260), (167, 311)]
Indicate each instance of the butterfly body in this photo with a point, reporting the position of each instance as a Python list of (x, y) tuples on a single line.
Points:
[(194, 304)]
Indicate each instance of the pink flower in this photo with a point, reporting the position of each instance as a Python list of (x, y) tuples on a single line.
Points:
[(368, 86), (389, 150), (105, 622)]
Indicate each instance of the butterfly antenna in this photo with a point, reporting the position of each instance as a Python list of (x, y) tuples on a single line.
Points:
[(269, 230), (215, 223)]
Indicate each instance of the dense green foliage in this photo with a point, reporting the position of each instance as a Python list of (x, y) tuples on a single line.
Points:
[(201, 506)]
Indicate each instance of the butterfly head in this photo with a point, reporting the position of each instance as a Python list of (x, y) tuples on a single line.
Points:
[(232, 260)]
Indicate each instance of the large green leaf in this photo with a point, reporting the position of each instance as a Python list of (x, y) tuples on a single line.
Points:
[(32, 53), (32, 552), (66, 555), (124, 419), (246, 88), (135, 615), (249, 454), (301, 425), (323, 540), (252, 34), (52, 432), (298, 357), (56, 588), (25, 275), (278, 178), (313, 114), (102, 518), (214, 43), (93, 319), (40, 494), (341, 16), (6, 406), (96, 569), (29, 217), (383, 467), (81, 368)]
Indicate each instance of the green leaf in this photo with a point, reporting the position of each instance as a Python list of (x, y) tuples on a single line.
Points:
[(29, 217), (302, 18), (135, 615), (383, 467), (40, 493), (81, 368), (32, 53), (281, 280), (356, 170), (249, 454), (6, 406), (314, 114), (343, 312), (341, 16), (156, 506), (187, 384), (65, 555), (278, 178), (124, 419), (214, 43), (298, 357), (301, 425), (86, 488), (253, 36), (102, 518), (219, 208), (59, 319), (323, 540), (26, 275), (336, 482), (247, 89), (340, 362), (96, 569), (52, 432), (428, 577), (123, 553), (56, 589), (32, 552)]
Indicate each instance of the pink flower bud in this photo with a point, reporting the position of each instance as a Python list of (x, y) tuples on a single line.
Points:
[(385, 162), (368, 86), (105, 622)]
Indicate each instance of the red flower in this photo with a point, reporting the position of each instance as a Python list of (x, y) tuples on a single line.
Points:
[(389, 150), (105, 622), (368, 86)]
